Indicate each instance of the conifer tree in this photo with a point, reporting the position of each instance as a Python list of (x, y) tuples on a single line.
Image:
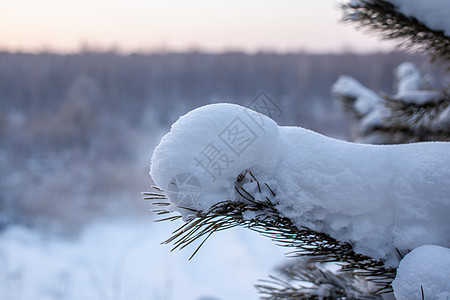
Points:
[(417, 111)]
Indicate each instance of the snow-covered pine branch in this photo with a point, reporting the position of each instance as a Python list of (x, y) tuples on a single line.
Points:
[(257, 213), (415, 113), (423, 25), (301, 279), (380, 200)]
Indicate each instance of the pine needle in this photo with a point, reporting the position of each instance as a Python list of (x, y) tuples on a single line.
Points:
[(268, 221)]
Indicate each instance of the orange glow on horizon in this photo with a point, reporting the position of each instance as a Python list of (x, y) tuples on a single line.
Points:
[(139, 25)]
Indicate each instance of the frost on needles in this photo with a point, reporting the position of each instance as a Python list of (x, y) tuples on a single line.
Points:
[(379, 201)]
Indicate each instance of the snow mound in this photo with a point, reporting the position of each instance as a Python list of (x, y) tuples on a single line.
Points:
[(378, 197), (427, 267), (205, 150)]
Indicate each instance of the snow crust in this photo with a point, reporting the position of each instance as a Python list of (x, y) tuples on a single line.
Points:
[(427, 266), (377, 197)]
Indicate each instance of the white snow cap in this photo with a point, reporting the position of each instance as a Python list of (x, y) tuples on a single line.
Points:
[(198, 161), (366, 100), (368, 104), (377, 197), (410, 86), (408, 77), (427, 267)]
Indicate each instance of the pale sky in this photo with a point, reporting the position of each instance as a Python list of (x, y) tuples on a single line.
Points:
[(214, 25)]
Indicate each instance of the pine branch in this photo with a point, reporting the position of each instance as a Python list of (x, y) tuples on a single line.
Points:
[(405, 122), (347, 104), (305, 280), (400, 119), (383, 17), (421, 122), (269, 222)]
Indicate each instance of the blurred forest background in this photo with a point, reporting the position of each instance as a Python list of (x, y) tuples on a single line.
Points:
[(77, 130)]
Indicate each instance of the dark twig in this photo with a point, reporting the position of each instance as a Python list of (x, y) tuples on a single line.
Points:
[(269, 222)]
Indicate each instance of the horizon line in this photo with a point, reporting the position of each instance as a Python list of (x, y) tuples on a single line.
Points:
[(96, 49)]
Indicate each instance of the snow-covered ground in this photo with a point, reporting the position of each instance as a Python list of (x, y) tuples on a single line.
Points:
[(124, 260)]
